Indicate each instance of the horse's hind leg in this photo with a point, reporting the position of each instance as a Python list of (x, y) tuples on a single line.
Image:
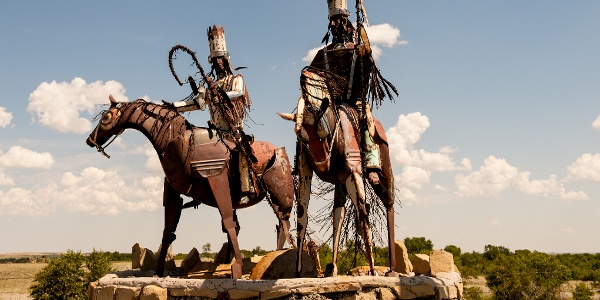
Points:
[(356, 191), (220, 188), (280, 185), (339, 214), (386, 192), (172, 203)]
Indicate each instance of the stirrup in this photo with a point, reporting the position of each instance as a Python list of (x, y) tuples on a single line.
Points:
[(374, 178)]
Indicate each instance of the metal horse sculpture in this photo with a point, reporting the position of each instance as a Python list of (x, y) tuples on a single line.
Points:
[(329, 142), (197, 163)]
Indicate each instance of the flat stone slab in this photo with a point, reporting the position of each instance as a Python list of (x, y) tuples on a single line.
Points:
[(443, 286)]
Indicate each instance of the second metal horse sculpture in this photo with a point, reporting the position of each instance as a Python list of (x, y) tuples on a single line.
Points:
[(196, 163), (329, 144)]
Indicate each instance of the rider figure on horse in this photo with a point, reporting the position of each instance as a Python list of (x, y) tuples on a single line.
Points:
[(228, 103), (349, 68)]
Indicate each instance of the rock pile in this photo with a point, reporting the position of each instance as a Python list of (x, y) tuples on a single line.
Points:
[(431, 276)]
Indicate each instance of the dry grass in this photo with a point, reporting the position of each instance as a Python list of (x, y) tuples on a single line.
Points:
[(15, 279)]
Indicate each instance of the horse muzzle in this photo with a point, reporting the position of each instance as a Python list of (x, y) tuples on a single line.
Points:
[(89, 142)]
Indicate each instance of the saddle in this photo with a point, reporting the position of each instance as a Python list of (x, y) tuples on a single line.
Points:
[(209, 154)]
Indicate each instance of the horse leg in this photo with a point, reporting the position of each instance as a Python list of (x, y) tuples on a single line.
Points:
[(305, 174), (339, 213), (387, 196), (172, 203), (280, 186), (237, 232), (220, 188), (356, 191)]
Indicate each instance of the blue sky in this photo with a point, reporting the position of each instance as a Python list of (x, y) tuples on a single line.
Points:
[(495, 136)]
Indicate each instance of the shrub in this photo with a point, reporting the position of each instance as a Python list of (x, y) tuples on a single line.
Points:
[(69, 276), (582, 292), (526, 275)]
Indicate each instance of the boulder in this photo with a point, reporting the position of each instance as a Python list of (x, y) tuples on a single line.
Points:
[(221, 257), (142, 258), (403, 264), (153, 292), (282, 264), (190, 261), (365, 270), (421, 264), (441, 261)]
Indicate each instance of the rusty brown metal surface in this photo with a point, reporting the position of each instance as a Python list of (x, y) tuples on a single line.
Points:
[(208, 158)]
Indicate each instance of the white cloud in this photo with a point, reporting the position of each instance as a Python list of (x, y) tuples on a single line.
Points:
[(414, 177), (5, 180), (59, 105), (406, 133), (19, 201), (496, 175), (495, 222), (5, 117), (310, 55), (93, 191), (152, 161), (385, 35), (596, 124), (19, 157), (97, 191), (381, 35), (585, 168)]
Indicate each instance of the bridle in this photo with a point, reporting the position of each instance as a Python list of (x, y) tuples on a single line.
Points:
[(92, 139)]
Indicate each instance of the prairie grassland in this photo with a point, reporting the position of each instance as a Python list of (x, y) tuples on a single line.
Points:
[(15, 279)]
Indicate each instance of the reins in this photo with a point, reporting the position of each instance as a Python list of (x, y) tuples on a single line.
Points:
[(99, 147)]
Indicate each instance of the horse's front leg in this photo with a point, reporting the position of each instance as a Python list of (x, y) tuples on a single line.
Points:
[(220, 188), (305, 174), (173, 204)]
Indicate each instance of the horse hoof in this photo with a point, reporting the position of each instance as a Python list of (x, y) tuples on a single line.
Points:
[(236, 270), (391, 273)]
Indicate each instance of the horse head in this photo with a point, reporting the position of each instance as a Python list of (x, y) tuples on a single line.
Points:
[(110, 125)]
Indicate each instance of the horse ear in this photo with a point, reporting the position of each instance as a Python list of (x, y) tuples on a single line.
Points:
[(113, 102)]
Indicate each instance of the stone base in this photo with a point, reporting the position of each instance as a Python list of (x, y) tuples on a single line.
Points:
[(130, 285)]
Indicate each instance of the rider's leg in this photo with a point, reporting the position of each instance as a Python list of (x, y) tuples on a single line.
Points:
[(246, 183), (372, 158)]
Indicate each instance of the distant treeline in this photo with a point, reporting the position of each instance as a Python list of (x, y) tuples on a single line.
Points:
[(114, 256), (580, 266)]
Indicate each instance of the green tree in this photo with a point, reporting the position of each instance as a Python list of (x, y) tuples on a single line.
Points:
[(455, 250), (68, 276), (325, 255), (582, 292), (473, 293), (206, 250), (97, 264), (418, 245), (492, 252), (526, 275), (259, 251)]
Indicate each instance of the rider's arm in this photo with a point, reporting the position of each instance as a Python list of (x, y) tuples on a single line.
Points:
[(237, 87), (192, 104)]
